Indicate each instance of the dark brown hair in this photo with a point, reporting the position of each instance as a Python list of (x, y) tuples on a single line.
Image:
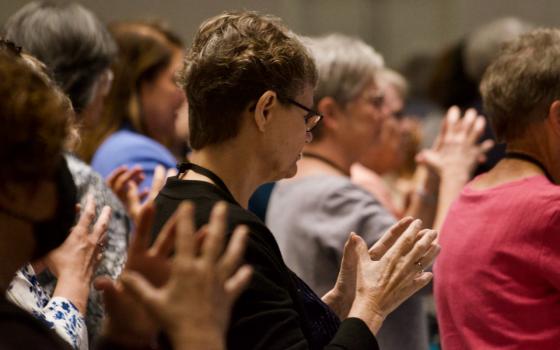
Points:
[(145, 49), (35, 118), (234, 59), (521, 84)]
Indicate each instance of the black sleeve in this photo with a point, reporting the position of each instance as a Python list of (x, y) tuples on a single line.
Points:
[(265, 316)]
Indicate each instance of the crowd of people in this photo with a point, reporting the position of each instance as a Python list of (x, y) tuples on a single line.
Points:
[(259, 189)]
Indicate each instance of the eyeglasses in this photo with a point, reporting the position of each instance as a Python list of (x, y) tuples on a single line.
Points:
[(312, 118), (376, 101)]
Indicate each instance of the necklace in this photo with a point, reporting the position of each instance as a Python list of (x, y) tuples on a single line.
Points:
[(530, 159), (326, 161)]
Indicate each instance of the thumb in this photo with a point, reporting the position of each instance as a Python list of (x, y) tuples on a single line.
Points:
[(429, 158), (141, 290), (361, 247)]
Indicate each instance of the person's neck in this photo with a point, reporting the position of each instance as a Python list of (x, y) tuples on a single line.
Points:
[(338, 159), (512, 169), (237, 172)]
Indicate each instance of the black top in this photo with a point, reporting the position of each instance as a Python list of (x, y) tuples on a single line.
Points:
[(277, 310), (20, 330)]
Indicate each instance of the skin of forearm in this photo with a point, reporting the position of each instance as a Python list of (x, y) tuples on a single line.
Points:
[(336, 302), (423, 202), (74, 289), (363, 310), (451, 185), (197, 338)]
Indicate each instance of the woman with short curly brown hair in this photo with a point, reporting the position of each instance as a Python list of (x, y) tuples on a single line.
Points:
[(249, 82)]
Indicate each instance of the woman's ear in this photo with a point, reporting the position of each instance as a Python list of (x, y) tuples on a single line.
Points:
[(264, 108), (331, 111), (554, 117)]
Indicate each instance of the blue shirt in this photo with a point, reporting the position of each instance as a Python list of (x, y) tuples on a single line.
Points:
[(127, 147)]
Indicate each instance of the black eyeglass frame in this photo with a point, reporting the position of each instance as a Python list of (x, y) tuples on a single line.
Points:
[(310, 112)]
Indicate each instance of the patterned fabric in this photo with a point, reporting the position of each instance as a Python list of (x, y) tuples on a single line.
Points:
[(114, 256), (57, 313)]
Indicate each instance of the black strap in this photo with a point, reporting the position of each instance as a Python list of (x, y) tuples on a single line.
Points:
[(530, 159), (326, 161), (186, 166)]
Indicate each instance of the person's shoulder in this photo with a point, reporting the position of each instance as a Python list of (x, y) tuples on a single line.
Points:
[(129, 142)]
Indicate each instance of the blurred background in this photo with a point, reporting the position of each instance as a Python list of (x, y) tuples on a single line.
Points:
[(399, 29)]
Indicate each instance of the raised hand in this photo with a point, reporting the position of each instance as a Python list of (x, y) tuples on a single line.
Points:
[(75, 261), (124, 183), (341, 297), (190, 295), (194, 305), (455, 148), (383, 284), (128, 322)]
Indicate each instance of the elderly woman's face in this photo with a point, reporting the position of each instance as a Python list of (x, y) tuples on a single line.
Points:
[(289, 134), (363, 119)]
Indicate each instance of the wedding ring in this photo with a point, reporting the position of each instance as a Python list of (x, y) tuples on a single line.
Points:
[(420, 266)]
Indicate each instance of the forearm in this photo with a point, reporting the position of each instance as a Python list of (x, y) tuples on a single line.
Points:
[(363, 310), (197, 338), (337, 303), (423, 201), (451, 185), (74, 289)]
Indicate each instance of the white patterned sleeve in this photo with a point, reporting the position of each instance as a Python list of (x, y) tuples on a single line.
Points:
[(57, 313), (67, 321)]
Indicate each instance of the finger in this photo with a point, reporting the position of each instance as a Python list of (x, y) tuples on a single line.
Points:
[(407, 241), (165, 241), (142, 237), (213, 245), (235, 251), (113, 176), (430, 159), (88, 215), (486, 146), (185, 238), (132, 196), (103, 283), (468, 121), (477, 130), (389, 238), (360, 247), (452, 119), (122, 182), (143, 195), (428, 259), (158, 181), (102, 223), (141, 290), (421, 247), (237, 283)]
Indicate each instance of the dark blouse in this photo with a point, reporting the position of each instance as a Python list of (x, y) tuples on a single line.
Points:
[(278, 310)]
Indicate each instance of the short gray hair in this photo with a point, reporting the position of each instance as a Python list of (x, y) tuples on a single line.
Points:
[(387, 76), (346, 65)]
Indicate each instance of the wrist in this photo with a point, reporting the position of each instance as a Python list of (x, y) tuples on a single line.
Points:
[(335, 300), (193, 338), (369, 313)]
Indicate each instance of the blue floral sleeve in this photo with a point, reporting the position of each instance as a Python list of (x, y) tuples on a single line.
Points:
[(57, 313)]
